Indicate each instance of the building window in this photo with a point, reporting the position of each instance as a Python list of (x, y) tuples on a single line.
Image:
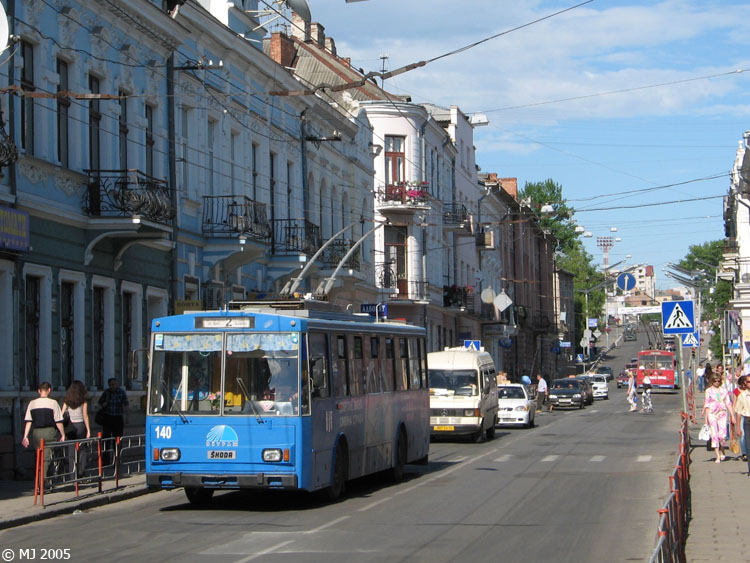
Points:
[(234, 143), (211, 165), (272, 183), (185, 123), (127, 333), (33, 312), (149, 140), (395, 160), (27, 105), (95, 119), (395, 255), (97, 351), (123, 136), (67, 333), (254, 155), (63, 105)]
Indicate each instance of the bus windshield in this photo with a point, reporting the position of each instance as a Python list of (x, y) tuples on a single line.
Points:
[(454, 382), (261, 374), (655, 361)]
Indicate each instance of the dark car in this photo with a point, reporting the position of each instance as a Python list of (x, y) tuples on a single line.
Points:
[(622, 379), (566, 393), (605, 371), (588, 391)]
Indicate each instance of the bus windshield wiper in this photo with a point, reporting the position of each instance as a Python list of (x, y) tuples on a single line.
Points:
[(174, 406), (258, 418)]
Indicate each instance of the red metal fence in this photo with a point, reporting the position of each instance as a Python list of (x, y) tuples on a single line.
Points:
[(675, 514)]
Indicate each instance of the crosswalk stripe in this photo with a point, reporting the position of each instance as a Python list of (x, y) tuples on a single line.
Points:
[(505, 457), (550, 458), (644, 458), (598, 458)]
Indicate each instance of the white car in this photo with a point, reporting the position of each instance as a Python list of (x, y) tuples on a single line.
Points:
[(515, 406), (599, 385)]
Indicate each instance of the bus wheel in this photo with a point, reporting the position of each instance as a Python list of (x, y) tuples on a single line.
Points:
[(340, 475), (490, 432), (198, 496), (397, 471)]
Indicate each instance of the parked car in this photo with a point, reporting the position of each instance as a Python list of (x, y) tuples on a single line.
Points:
[(586, 389), (605, 371), (515, 405), (566, 393), (599, 386)]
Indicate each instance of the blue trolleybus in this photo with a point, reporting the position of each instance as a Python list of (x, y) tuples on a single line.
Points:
[(279, 395)]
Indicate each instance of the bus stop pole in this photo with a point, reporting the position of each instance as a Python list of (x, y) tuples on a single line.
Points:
[(681, 372)]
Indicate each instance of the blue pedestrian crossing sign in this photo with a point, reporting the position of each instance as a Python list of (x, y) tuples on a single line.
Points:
[(473, 344), (677, 317), (691, 340), (626, 281)]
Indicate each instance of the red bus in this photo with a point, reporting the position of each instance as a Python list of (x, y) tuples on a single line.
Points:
[(659, 365)]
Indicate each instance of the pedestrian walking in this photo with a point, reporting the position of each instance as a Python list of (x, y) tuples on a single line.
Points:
[(542, 390), (716, 406), (43, 422), (742, 417), (114, 403), (632, 395), (76, 404), (648, 406)]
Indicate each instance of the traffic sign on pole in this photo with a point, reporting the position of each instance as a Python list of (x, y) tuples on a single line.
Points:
[(626, 281), (677, 317)]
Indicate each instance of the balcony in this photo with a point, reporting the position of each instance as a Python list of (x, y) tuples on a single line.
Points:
[(485, 240), (456, 218), (296, 236), (402, 197), (458, 297), (228, 216), (128, 193), (335, 252)]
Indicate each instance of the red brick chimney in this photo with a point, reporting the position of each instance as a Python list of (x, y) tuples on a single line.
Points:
[(510, 185), (282, 49)]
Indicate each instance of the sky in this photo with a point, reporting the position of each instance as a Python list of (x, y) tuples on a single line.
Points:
[(632, 107)]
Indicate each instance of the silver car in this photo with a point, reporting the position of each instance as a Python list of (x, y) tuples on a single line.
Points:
[(515, 406)]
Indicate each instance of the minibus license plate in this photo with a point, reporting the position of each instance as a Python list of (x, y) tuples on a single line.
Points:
[(222, 454), (444, 428)]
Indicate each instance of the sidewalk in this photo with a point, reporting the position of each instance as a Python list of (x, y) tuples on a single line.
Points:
[(17, 499), (719, 529)]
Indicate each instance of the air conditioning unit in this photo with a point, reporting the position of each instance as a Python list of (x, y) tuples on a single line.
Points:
[(213, 296), (486, 239)]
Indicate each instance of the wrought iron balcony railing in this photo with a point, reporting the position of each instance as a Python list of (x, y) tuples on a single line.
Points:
[(335, 252), (456, 216), (227, 215), (124, 193), (455, 296), (296, 236), (386, 275), (402, 195)]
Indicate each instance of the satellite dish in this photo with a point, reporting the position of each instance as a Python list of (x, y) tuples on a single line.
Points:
[(487, 295), (301, 8), (3, 29)]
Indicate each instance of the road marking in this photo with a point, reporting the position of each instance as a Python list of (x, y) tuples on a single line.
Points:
[(264, 552), (643, 458), (505, 457), (324, 526), (550, 458), (594, 411), (598, 458), (373, 504)]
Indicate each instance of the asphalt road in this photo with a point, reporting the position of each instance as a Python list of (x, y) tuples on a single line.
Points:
[(584, 485)]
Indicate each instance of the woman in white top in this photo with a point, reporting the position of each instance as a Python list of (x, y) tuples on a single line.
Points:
[(742, 414), (76, 404)]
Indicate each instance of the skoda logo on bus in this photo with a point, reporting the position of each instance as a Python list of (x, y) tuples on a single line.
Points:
[(222, 436)]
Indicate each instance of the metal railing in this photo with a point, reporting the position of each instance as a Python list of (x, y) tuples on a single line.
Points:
[(124, 193), (675, 513), (296, 236), (226, 215), (90, 460), (335, 252)]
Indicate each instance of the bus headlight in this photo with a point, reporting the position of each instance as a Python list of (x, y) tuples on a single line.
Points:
[(272, 455), (170, 454)]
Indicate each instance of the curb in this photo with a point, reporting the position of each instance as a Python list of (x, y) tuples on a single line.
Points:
[(52, 512)]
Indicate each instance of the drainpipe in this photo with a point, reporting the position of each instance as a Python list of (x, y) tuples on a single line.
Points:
[(11, 99), (174, 273)]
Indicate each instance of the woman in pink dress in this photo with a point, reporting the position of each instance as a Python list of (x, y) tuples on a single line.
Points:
[(715, 408)]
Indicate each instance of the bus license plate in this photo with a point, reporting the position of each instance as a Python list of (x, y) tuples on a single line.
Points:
[(443, 428), (222, 454)]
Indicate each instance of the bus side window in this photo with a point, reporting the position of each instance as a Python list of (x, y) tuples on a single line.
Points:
[(358, 366), (373, 367), (340, 367), (389, 369), (318, 358), (423, 362), (304, 397), (414, 373), (402, 365)]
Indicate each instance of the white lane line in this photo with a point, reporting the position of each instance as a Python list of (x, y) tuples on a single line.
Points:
[(643, 458), (505, 457), (264, 552), (598, 458), (594, 411), (374, 504), (324, 526), (550, 458)]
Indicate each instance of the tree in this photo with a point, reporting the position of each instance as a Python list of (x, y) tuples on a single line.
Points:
[(559, 222)]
